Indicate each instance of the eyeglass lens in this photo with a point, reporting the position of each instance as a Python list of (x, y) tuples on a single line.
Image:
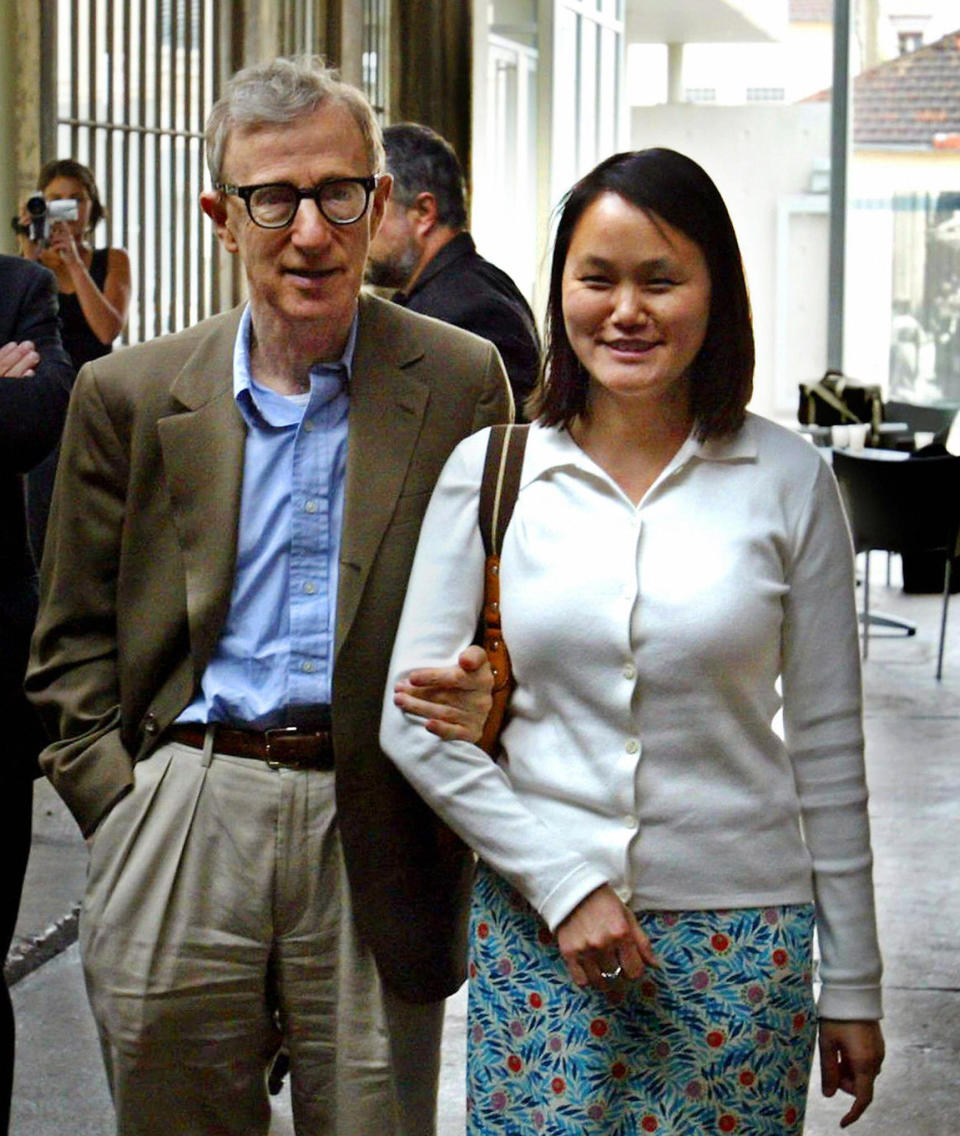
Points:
[(340, 202)]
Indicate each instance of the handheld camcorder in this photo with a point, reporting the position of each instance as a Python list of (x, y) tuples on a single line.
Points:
[(45, 213)]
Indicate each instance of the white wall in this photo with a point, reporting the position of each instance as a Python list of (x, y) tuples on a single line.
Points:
[(759, 156)]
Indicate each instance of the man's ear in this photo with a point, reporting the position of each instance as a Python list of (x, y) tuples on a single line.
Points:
[(378, 204), (212, 202), (424, 210)]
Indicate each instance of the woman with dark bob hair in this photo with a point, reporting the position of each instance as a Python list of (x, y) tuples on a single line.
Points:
[(654, 851)]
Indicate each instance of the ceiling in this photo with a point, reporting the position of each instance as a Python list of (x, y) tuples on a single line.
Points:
[(705, 21)]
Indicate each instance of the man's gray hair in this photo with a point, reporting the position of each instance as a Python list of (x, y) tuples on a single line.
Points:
[(279, 93)]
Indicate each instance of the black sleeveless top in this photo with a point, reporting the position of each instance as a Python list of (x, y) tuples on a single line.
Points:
[(78, 337)]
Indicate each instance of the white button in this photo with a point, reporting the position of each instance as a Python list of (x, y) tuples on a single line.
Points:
[(630, 821), (310, 506), (632, 746), (308, 667), (310, 587), (629, 670), (308, 425)]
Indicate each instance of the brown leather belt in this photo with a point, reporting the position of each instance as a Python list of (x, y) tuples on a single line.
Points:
[(288, 746)]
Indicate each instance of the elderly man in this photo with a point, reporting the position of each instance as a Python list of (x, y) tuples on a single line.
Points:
[(35, 378), (423, 248), (228, 549)]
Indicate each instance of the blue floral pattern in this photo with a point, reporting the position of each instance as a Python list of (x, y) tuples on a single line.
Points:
[(718, 1038)]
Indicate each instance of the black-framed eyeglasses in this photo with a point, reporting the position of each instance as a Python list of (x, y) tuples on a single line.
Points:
[(342, 201)]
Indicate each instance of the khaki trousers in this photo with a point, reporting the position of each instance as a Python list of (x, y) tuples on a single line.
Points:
[(217, 923)]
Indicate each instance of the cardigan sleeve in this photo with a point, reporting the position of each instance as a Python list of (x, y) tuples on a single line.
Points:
[(468, 789), (824, 736)]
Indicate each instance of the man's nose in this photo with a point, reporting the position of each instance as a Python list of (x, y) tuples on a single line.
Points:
[(309, 228)]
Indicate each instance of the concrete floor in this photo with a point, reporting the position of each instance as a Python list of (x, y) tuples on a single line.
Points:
[(913, 754)]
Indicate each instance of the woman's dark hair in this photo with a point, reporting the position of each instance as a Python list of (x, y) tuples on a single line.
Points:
[(676, 189), (68, 168)]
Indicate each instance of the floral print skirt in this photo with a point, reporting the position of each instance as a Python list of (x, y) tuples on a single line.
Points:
[(718, 1038)]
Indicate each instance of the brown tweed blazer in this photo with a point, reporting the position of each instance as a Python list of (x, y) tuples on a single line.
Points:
[(137, 577)]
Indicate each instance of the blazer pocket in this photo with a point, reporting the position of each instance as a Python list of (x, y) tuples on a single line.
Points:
[(410, 509)]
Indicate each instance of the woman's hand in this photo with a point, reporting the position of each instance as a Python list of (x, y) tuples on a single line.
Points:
[(63, 244), (454, 700), (851, 1054), (601, 936)]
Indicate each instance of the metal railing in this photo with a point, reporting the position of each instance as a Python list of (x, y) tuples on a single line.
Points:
[(135, 80)]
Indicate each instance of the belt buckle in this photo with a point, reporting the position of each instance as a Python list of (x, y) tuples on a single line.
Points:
[(276, 737)]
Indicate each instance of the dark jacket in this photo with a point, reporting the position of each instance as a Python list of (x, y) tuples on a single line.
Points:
[(31, 416), (458, 286)]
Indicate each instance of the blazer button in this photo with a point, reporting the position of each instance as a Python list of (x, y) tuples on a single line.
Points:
[(150, 724)]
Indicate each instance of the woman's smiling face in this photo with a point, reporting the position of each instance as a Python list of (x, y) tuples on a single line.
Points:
[(636, 300)]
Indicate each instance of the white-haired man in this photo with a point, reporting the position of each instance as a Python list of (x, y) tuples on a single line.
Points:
[(228, 549)]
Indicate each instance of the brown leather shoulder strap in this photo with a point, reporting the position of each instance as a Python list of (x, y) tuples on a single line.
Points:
[(501, 483)]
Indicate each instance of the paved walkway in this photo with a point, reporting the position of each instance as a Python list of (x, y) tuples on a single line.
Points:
[(913, 735)]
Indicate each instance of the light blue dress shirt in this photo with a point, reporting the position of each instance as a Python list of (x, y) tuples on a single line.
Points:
[(273, 664)]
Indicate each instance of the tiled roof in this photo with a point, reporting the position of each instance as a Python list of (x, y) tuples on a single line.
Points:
[(811, 11), (912, 101)]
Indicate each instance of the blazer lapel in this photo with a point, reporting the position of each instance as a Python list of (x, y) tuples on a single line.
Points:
[(202, 449), (387, 407)]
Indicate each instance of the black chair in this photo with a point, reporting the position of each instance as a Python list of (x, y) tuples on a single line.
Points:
[(935, 419), (902, 506)]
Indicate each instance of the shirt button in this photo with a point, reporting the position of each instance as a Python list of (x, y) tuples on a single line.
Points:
[(630, 821), (308, 667), (308, 425), (310, 587), (632, 746), (629, 670), (310, 506)]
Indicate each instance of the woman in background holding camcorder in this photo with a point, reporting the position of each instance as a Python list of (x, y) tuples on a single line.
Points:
[(94, 284), (56, 227)]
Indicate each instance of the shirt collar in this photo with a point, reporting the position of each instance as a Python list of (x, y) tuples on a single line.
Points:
[(552, 447), (326, 379)]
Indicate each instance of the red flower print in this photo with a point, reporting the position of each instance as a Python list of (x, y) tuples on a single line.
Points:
[(536, 1001), (543, 936), (649, 1124), (558, 1084), (598, 1027), (780, 957), (715, 1039), (473, 970), (747, 1078), (799, 1021), (790, 1115), (618, 1070), (514, 1064), (727, 1123), (719, 942), (647, 989), (483, 930)]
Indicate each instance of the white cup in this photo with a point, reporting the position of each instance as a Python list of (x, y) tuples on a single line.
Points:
[(922, 438), (858, 436), (840, 437)]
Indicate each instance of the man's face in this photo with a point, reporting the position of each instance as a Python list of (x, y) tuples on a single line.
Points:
[(310, 271), (396, 249)]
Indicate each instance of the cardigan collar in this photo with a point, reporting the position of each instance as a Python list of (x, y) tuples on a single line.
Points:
[(552, 447)]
